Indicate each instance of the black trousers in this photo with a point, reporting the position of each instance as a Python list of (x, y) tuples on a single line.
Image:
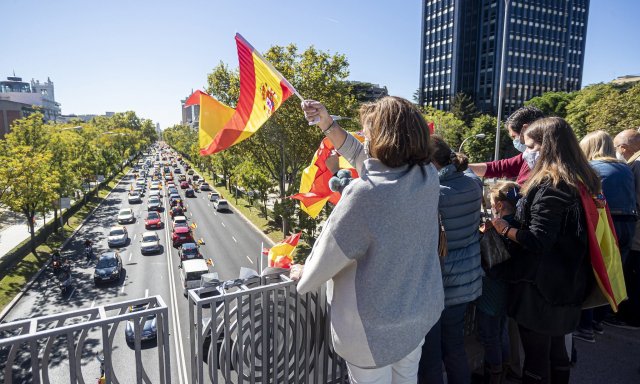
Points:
[(545, 358)]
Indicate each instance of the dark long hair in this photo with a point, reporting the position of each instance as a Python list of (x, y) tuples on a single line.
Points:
[(561, 159), (443, 155)]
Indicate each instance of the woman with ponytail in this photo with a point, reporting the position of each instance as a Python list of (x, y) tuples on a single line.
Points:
[(459, 207)]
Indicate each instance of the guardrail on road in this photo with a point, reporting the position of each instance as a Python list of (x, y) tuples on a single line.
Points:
[(30, 347), (259, 330)]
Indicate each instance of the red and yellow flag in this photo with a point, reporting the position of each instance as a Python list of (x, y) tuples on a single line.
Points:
[(262, 91), (314, 185), (603, 251), (280, 254)]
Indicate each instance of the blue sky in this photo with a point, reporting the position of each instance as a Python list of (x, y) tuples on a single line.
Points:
[(145, 55)]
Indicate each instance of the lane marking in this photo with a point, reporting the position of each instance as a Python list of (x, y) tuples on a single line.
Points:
[(223, 224), (134, 236), (93, 302), (123, 284), (208, 204), (146, 293), (248, 258), (130, 255), (234, 239)]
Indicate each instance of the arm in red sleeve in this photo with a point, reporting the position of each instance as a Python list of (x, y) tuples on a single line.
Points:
[(505, 168)]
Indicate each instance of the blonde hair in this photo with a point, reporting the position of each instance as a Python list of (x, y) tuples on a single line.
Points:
[(506, 192), (397, 131), (598, 145)]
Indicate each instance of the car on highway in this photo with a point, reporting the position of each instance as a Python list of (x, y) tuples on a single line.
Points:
[(191, 272), (118, 236), (139, 190), (180, 221), (141, 183), (184, 185), (188, 251), (134, 198), (177, 170), (190, 172), (150, 243), (168, 177), (196, 177), (182, 178), (109, 268), (172, 191), (221, 205), (213, 196), (154, 204), (148, 331), (153, 220), (181, 235), (190, 193), (126, 216), (205, 187)]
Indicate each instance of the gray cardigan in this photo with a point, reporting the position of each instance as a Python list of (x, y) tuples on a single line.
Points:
[(379, 251)]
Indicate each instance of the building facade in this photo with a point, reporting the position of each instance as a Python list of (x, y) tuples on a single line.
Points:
[(462, 47), (40, 95), (190, 114)]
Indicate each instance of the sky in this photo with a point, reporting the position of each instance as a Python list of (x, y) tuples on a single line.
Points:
[(147, 55)]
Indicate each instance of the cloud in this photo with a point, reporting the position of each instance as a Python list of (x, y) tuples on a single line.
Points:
[(331, 20)]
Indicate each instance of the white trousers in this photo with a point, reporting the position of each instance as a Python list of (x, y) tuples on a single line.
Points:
[(404, 371)]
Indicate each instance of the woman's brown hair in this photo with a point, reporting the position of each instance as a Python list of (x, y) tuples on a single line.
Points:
[(397, 132), (443, 155), (561, 159)]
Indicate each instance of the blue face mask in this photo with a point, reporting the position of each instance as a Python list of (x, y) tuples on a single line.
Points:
[(518, 145)]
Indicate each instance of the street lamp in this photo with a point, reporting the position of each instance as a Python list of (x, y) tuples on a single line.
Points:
[(478, 136), (501, 89)]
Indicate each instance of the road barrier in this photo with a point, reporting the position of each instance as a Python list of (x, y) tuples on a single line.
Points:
[(30, 348), (259, 330)]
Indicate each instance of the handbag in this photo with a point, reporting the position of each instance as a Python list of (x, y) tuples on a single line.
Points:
[(443, 251), (493, 250)]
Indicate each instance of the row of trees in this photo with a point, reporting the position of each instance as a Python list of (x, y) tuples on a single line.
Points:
[(43, 162)]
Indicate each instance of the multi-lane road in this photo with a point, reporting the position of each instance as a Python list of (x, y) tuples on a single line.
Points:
[(229, 241)]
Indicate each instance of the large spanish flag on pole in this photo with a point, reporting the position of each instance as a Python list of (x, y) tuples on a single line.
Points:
[(603, 251), (314, 184), (262, 91)]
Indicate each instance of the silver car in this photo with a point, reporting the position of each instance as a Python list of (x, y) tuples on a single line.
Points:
[(126, 216), (150, 243), (118, 236), (134, 198)]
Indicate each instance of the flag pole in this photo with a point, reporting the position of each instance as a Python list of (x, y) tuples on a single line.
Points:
[(260, 261)]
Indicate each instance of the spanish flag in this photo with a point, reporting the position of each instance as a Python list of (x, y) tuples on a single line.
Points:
[(314, 186), (280, 254), (603, 251), (262, 91)]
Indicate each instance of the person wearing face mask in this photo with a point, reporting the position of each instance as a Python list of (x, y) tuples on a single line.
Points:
[(552, 276), (627, 146), (514, 167), (378, 251), (459, 206)]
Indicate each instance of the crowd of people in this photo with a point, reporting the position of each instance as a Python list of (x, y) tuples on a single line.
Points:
[(399, 301)]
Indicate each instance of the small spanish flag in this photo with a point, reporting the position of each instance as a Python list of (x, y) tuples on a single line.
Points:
[(280, 254), (314, 186), (262, 91)]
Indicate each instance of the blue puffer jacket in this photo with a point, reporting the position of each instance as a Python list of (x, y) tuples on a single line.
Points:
[(460, 203)]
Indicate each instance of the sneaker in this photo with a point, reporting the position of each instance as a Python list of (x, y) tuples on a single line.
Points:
[(613, 322), (597, 328), (584, 335)]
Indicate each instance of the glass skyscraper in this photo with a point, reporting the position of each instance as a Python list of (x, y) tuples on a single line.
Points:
[(462, 46)]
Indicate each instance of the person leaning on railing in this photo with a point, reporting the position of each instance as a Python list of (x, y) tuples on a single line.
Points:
[(379, 248), (513, 167)]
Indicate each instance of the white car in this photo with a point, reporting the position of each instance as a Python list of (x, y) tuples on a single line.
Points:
[(126, 216), (179, 221), (220, 205), (118, 236), (150, 243), (205, 187), (154, 193), (213, 196), (134, 198)]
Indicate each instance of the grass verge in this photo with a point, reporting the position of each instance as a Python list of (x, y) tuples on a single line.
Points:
[(16, 278)]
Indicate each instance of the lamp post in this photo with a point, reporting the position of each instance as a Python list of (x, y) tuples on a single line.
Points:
[(501, 85), (478, 136)]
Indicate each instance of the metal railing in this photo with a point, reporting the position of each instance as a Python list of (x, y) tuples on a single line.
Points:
[(33, 350), (260, 330)]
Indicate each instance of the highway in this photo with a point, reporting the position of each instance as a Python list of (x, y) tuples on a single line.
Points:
[(229, 241)]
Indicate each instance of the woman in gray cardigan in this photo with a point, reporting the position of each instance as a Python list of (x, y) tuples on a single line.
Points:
[(378, 250), (460, 203)]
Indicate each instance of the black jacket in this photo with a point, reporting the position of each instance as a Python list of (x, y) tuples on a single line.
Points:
[(552, 275)]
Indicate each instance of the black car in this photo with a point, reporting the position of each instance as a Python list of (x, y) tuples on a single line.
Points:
[(177, 170), (190, 193), (189, 251), (109, 268), (148, 330)]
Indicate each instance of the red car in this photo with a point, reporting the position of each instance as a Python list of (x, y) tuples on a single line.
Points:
[(153, 220), (181, 235), (184, 185)]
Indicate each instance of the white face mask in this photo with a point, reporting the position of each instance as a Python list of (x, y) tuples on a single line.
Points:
[(619, 156), (518, 145), (531, 157)]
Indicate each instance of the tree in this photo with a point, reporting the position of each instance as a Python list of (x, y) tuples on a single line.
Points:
[(254, 180), (553, 103), (464, 108), (452, 129), (616, 111), (580, 106), (482, 150)]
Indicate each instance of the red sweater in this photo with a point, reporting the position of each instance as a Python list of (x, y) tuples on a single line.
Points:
[(509, 168)]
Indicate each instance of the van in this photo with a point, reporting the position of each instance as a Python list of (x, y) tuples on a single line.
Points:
[(191, 273)]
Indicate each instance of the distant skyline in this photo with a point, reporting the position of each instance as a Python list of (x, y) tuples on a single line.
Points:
[(146, 55)]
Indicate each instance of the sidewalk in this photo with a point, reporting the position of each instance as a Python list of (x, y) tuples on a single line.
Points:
[(14, 229)]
